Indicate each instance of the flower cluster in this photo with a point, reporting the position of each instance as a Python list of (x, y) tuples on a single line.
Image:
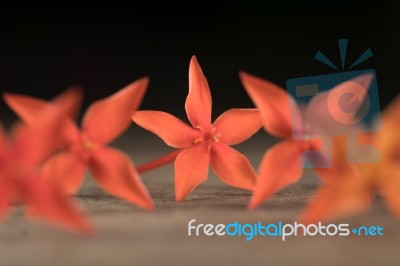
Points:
[(44, 158)]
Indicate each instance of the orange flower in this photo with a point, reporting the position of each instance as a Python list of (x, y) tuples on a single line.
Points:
[(204, 143), (21, 155), (103, 122), (353, 190), (299, 126)]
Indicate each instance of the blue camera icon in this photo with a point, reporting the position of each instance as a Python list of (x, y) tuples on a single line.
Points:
[(367, 114)]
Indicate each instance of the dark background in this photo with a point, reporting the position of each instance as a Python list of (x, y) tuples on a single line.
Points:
[(102, 47)]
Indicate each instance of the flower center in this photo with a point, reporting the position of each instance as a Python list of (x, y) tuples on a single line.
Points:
[(84, 147), (87, 144), (208, 136)]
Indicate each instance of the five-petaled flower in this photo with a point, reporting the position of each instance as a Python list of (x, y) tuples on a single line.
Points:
[(102, 123), (300, 126), (204, 142), (21, 155)]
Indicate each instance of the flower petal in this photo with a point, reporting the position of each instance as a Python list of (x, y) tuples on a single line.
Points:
[(391, 114), (173, 131), (347, 196), (27, 107), (116, 174), (280, 167), (70, 102), (44, 199), (35, 143), (232, 167), (280, 113), (191, 169), (198, 102), (386, 139), (106, 119), (66, 169), (3, 140), (237, 125), (387, 172)]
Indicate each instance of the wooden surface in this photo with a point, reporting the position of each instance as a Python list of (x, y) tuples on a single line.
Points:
[(127, 235)]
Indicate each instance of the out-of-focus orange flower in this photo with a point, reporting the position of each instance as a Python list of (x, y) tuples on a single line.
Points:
[(204, 142), (21, 155), (282, 165), (103, 122), (354, 189)]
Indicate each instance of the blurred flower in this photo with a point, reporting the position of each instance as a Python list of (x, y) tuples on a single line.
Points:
[(353, 190), (204, 143), (103, 122), (282, 165), (21, 155)]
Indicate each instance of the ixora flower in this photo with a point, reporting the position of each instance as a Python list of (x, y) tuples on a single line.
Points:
[(353, 190), (204, 142), (102, 123), (282, 165), (21, 154)]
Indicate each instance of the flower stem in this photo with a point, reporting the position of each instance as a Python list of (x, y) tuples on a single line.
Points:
[(158, 162)]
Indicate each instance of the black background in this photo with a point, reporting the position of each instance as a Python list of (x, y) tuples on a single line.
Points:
[(44, 48)]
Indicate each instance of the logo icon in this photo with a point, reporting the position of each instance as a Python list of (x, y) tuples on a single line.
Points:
[(348, 107)]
